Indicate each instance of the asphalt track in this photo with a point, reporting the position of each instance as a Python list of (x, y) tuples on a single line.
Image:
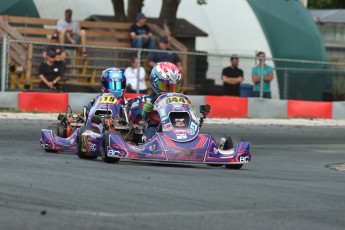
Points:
[(287, 186)]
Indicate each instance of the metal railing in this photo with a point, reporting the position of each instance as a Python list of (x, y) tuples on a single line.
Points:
[(293, 79)]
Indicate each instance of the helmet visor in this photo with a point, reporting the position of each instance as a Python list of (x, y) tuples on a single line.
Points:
[(114, 85), (166, 87)]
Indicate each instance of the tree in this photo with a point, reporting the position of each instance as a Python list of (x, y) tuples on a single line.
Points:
[(119, 10), (134, 7), (326, 4), (167, 16)]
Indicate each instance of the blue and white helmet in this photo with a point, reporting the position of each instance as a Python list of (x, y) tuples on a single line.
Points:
[(113, 81)]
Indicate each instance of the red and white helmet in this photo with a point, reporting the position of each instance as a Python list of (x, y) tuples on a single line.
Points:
[(165, 77)]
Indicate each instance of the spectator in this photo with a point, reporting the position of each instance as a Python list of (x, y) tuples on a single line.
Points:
[(141, 34), (131, 74), (50, 72), (59, 51), (155, 57), (70, 31), (232, 77), (267, 75)]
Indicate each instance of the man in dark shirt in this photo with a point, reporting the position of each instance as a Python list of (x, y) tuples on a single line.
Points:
[(60, 54), (141, 34), (155, 57), (50, 72), (232, 77)]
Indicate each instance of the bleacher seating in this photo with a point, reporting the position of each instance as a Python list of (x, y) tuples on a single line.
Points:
[(80, 71)]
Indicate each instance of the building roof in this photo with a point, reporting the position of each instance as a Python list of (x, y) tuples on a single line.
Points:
[(328, 16), (183, 28)]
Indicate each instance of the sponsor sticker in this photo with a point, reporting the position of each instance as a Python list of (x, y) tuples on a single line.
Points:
[(162, 112), (180, 136), (194, 126), (113, 153), (167, 127), (190, 131), (152, 147)]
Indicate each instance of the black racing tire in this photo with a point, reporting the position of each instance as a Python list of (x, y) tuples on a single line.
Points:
[(234, 166), (104, 155), (229, 143), (215, 165), (82, 154), (58, 129)]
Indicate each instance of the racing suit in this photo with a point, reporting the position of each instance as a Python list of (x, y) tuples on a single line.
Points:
[(136, 114)]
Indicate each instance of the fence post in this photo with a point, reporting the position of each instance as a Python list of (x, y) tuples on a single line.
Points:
[(286, 75), (262, 63), (138, 69), (3, 63), (28, 66)]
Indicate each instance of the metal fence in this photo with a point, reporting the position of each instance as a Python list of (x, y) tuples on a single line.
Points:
[(293, 79)]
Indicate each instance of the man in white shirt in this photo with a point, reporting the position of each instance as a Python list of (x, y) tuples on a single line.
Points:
[(131, 74), (70, 31)]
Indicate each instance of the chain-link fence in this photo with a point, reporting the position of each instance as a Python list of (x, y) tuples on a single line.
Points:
[(293, 79)]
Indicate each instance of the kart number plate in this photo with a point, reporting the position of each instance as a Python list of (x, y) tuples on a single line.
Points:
[(108, 99)]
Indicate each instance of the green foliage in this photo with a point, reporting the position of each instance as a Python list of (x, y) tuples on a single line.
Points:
[(326, 4)]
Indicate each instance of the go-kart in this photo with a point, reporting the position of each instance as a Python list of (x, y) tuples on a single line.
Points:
[(178, 140), (107, 113)]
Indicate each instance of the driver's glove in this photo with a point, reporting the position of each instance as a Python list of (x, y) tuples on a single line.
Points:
[(148, 107)]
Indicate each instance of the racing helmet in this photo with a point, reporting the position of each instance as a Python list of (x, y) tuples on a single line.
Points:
[(165, 77), (113, 81)]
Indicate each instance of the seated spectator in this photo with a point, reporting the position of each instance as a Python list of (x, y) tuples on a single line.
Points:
[(50, 72), (155, 57), (131, 74), (141, 34), (264, 71), (70, 31), (59, 51)]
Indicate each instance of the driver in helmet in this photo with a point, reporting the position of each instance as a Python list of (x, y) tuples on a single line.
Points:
[(165, 77), (113, 82)]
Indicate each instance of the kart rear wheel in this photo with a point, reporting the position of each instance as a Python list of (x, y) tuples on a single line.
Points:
[(104, 155), (82, 154)]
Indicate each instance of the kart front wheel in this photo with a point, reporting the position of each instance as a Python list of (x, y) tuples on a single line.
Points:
[(81, 153), (104, 154), (215, 165), (227, 143), (58, 129), (234, 166)]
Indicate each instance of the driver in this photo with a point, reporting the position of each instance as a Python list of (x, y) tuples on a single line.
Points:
[(165, 77), (113, 82)]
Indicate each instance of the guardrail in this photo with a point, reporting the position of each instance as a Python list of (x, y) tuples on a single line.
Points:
[(237, 107)]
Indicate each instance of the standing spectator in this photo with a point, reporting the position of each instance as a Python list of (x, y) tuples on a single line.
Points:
[(267, 75), (50, 72), (131, 74), (141, 34), (59, 52), (70, 31), (155, 57), (232, 77)]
